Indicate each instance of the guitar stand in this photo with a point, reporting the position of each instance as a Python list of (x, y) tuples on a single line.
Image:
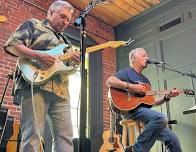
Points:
[(6, 122), (117, 128), (128, 148)]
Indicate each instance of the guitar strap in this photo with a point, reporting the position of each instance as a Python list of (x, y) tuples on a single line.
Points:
[(17, 77), (65, 39), (58, 35)]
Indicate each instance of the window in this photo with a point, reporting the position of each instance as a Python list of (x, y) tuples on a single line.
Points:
[(74, 89), (170, 24)]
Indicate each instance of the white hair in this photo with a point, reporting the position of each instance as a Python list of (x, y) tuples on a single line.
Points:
[(58, 4), (133, 53)]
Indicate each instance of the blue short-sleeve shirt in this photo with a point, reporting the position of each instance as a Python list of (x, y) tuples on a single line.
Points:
[(131, 76)]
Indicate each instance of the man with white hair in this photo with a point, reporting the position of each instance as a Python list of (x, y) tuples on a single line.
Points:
[(156, 128), (50, 99)]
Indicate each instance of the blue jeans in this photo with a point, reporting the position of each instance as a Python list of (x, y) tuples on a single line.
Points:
[(59, 118), (156, 129)]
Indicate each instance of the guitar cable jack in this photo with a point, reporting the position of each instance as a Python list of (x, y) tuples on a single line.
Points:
[(35, 75)]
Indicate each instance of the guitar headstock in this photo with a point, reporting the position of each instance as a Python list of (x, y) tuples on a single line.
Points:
[(189, 92), (115, 44), (130, 40)]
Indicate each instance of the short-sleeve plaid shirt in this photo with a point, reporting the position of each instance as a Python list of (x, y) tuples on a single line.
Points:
[(39, 35)]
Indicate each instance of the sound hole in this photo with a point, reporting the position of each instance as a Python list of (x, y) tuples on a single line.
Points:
[(111, 140)]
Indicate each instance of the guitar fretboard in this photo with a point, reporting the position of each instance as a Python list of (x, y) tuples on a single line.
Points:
[(113, 44), (160, 92)]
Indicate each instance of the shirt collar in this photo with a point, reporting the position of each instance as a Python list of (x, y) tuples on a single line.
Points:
[(46, 24)]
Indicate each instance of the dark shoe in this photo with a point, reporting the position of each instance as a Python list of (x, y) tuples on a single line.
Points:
[(129, 149)]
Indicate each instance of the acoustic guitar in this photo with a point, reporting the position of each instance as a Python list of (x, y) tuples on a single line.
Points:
[(122, 101), (14, 141), (32, 70), (111, 139)]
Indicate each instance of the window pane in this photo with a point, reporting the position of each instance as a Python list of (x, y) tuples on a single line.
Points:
[(74, 89)]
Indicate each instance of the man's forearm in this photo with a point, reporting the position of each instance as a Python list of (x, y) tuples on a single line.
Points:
[(159, 101), (24, 51), (117, 83), (162, 100)]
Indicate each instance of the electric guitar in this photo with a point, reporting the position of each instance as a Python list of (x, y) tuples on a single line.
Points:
[(111, 139), (32, 70), (122, 101)]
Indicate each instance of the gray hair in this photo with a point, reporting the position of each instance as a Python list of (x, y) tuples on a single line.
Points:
[(58, 4), (133, 53)]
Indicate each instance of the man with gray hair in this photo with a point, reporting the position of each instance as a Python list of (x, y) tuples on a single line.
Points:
[(51, 99), (135, 83)]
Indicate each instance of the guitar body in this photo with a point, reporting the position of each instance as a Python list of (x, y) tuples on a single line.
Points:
[(122, 102), (13, 142), (111, 144), (32, 70)]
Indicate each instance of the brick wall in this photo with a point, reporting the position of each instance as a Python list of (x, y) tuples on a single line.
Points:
[(16, 11)]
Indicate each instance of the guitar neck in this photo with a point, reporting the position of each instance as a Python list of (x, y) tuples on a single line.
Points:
[(112, 124), (113, 44), (100, 46), (160, 92)]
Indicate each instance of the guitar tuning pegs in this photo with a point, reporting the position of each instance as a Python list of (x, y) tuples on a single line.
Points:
[(130, 40), (189, 92)]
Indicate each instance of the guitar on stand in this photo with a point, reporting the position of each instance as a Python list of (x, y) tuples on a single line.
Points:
[(111, 138), (6, 122)]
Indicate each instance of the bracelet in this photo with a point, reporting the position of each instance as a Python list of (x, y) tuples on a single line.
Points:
[(166, 98)]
